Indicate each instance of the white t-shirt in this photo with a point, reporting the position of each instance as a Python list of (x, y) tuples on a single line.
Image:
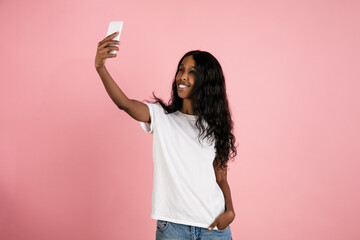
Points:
[(185, 190)]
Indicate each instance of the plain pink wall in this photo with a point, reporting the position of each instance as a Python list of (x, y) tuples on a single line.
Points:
[(73, 166)]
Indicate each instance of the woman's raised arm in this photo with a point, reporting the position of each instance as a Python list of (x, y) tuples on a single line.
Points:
[(137, 110)]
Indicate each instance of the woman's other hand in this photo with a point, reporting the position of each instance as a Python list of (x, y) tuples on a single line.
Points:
[(223, 220)]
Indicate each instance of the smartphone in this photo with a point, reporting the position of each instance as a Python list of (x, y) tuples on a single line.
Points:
[(115, 26)]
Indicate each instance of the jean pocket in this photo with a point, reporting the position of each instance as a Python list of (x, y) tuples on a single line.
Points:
[(218, 230), (162, 225)]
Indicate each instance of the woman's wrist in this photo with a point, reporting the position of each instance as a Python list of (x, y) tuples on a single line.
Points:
[(99, 68), (231, 212)]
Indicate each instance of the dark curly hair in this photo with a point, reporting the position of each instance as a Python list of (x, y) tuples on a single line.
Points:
[(210, 103)]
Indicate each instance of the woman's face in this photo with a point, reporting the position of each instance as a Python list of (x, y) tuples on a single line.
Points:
[(185, 78)]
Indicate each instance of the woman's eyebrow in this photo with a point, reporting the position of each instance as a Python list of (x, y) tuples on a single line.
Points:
[(188, 65)]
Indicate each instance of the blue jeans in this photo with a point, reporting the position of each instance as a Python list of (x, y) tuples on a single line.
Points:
[(173, 231)]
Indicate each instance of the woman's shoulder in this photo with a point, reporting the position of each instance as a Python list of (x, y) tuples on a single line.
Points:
[(156, 107), (152, 104)]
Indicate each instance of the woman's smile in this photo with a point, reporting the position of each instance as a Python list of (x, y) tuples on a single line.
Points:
[(183, 87)]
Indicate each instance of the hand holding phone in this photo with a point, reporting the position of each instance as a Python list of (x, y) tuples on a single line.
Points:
[(115, 26), (103, 49), (108, 46)]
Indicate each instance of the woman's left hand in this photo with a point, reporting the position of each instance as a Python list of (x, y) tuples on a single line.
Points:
[(223, 220)]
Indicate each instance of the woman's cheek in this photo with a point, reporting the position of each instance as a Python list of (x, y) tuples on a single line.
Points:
[(191, 91)]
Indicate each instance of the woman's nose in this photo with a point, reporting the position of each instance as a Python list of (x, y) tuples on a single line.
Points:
[(184, 76)]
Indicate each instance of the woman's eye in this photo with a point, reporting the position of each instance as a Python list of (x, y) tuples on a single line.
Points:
[(192, 72), (181, 70)]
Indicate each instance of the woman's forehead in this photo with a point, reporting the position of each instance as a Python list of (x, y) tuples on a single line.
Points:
[(188, 62)]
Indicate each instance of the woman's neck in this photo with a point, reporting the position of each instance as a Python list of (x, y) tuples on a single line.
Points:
[(187, 107)]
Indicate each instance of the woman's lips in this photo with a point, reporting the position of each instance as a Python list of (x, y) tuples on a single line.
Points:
[(182, 88)]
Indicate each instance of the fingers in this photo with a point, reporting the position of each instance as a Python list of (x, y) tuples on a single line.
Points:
[(106, 43), (104, 48), (108, 46), (111, 36), (107, 49), (105, 53), (110, 55), (214, 224)]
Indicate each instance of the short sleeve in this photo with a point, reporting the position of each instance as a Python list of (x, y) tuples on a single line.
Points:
[(149, 127)]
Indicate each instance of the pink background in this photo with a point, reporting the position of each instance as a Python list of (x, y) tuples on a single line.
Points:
[(74, 166)]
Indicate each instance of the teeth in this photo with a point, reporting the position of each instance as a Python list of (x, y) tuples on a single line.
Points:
[(183, 86)]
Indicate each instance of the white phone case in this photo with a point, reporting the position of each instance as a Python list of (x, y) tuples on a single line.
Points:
[(115, 26)]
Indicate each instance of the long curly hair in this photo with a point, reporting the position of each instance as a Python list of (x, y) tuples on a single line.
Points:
[(210, 103)]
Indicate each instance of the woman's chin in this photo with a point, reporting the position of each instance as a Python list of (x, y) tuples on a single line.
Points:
[(180, 93), (182, 96)]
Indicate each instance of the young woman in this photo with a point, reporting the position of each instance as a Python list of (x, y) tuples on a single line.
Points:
[(192, 144)]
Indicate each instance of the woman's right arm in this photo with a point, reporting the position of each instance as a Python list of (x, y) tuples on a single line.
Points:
[(136, 109)]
